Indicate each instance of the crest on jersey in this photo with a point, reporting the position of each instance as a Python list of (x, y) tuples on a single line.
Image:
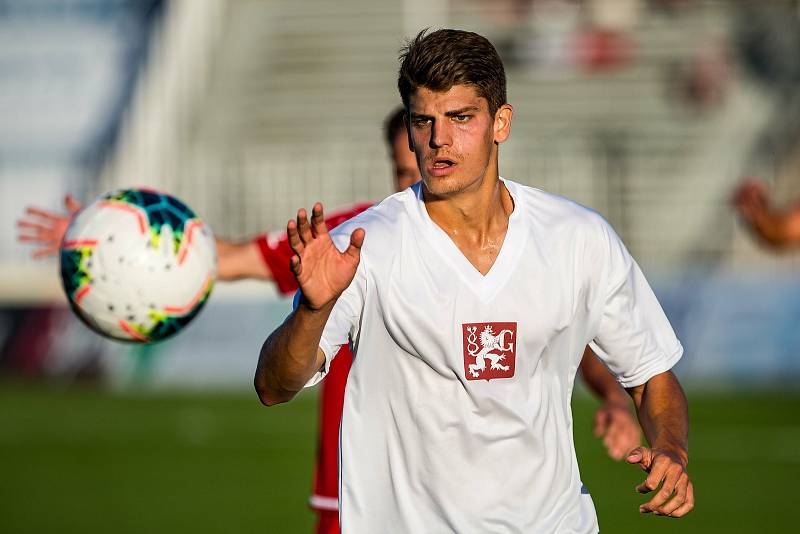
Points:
[(489, 350)]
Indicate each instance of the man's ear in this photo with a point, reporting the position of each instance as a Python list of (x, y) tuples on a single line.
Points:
[(502, 123)]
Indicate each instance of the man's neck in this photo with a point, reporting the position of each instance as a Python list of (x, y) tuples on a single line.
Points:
[(476, 220), (475, 211)]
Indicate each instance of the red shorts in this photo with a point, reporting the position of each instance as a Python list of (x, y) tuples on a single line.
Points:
[(325, 497)]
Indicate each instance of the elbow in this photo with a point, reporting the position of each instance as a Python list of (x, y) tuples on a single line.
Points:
[(270, 396)]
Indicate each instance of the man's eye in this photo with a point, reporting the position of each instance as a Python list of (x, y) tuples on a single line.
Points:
[(461, 118), (420, 122)]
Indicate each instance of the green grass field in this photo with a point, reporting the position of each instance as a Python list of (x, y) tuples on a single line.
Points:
[(86, 461)]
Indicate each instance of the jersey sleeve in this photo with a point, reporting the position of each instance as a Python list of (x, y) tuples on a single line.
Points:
[(276, 252), (344, 321), (633, 336)]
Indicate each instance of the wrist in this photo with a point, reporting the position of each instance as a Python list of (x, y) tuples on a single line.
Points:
[(614, 400), (313, 309), (677, 452)]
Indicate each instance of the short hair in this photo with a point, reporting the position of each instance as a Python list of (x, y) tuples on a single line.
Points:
[(393, 125), (444, 58)]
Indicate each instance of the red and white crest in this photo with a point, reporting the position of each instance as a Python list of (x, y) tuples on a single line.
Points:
[(489, 350)]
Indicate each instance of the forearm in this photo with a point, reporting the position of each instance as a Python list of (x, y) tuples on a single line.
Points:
[(663, 414), (236, 261), (600, 380), (290, 356)]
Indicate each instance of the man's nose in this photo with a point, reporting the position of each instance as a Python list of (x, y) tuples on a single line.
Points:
[(440, 134)]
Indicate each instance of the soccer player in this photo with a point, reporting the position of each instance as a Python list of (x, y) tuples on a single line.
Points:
[(778, 229), (468, 300), (266, 257)]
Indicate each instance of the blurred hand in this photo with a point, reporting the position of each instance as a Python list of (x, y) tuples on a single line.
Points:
[(618, 428), (668, 470), (46, 229), (322, 272), (750, 199)]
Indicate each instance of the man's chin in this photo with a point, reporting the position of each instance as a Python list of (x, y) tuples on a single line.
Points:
[(444, 186)]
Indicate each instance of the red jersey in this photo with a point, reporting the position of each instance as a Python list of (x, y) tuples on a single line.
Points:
[(276, 253)]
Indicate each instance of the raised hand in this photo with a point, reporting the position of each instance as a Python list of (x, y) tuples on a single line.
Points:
[(46, 229), (750, 199), (322, 272), (618, 428), (668, 470)]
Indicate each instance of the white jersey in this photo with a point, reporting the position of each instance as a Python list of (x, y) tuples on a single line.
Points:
[(457, 409)]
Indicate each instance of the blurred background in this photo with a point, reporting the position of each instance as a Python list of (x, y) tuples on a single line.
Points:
[(650, 112)]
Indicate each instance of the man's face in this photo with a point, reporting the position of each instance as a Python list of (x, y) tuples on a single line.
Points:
[(453, 136), (406, 172)]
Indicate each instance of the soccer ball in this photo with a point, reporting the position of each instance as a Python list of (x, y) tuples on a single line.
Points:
[(137, 265)]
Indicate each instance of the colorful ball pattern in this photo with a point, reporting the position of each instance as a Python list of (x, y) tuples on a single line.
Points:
[(138, 265)]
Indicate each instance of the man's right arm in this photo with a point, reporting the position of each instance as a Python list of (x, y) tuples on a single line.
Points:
[(291, 355)]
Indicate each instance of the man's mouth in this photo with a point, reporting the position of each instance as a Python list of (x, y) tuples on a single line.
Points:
[(441, 166)]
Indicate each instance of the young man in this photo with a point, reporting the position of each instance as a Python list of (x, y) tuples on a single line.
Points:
[(266, 257), (469, 300), (778, 229)]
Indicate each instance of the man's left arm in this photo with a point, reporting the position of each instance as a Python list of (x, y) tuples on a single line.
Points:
[(613, 421), (664, 416)]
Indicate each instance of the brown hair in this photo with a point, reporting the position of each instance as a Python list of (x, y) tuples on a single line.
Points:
[(444, 58), (393, 124)]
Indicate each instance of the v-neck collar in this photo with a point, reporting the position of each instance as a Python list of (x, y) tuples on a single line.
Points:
[(484, 286)]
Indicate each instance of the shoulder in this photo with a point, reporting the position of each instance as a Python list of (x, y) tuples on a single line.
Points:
[(557, 213), (337, 217)]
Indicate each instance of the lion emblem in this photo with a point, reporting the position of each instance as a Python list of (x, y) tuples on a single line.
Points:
[(489, 343)]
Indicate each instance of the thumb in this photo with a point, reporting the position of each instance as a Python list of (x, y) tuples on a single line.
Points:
[(356, 241), (636, 456), (72, 205)]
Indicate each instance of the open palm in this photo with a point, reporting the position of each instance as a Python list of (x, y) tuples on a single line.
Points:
[(46, 229), (322, 272)]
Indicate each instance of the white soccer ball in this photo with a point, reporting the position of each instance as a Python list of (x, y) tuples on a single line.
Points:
[(137, 265)]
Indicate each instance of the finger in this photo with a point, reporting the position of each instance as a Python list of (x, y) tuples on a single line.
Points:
[(22, 223), (356, 241), (672, 475), (615, 442), (681, 490), (688, 505), (303, 228), (30, 210), (294, 237), (296, 265), (642, 456), (318, 220), (600, 422), (72, 205), (658, 471), (27, 238), (46, 251)]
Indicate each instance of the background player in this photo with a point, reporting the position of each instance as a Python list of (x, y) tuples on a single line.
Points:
[(266, 257)]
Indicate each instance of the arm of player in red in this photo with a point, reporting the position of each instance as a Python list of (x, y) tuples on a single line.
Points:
[(291, 354), (45, 230), (664, 416), (613, 420)]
